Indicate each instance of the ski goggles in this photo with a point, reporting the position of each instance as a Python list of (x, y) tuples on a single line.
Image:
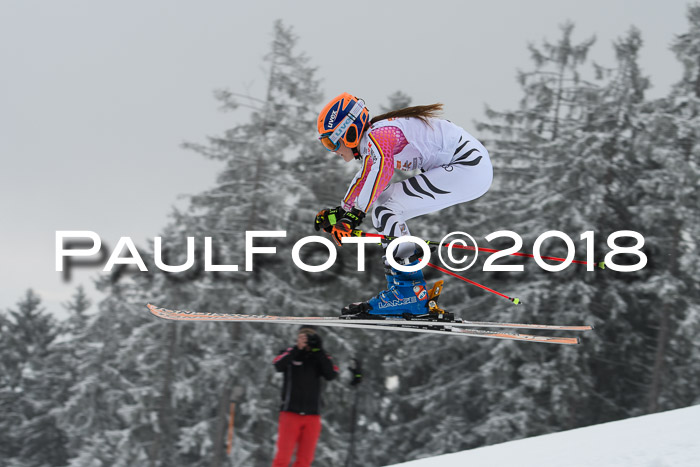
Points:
[(327, 143), (331, 139)]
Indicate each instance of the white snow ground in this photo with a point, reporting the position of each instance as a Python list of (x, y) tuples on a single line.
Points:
[(667, 439)]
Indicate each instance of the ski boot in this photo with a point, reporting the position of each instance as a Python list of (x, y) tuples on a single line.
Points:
[(406, 296)]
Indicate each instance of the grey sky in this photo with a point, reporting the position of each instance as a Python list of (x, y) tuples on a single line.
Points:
[(96, 98)]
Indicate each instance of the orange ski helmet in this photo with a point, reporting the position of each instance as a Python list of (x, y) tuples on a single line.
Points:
[(344, 119)]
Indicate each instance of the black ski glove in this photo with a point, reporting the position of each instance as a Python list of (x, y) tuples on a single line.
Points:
[(353, 217), (327, 218), (356, 372), (345, 226)]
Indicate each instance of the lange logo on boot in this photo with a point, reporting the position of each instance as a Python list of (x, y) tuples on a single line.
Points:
[(393, 303)]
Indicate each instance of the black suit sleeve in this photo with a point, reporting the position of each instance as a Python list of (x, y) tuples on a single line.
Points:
[(285, 357), (326, 366)]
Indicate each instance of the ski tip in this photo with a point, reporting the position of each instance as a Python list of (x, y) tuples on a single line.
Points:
[(155, 310), (601, 265), (567, 340), (516, 301), (152, 308)]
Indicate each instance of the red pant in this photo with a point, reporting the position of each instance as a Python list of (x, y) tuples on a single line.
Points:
[(300, 431)]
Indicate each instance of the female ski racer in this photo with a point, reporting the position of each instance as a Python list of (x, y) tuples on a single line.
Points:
[(455, 168)]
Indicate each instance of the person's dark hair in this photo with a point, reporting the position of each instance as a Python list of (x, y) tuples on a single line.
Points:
[(423, 112)]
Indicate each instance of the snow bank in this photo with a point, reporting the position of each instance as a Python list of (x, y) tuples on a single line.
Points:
[(667, 439)]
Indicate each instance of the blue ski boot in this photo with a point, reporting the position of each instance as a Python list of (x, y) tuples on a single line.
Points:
[(406, 295)]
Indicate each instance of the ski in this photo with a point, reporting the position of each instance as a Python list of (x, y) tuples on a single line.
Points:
[(423, 326), (203, 316)]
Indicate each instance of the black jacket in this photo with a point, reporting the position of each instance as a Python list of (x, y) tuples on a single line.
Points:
[(301, 391)]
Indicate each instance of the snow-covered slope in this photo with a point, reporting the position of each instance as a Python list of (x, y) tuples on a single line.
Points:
[(668, 439)]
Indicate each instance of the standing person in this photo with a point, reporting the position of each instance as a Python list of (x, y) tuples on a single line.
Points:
[(299, 427), (455, 168)]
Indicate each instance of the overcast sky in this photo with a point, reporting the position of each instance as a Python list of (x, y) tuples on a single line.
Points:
[(96, 97)]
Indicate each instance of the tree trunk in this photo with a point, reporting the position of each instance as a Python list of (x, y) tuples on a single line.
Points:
[(664, 332), (221, 425), (163, 453), (697, 80)]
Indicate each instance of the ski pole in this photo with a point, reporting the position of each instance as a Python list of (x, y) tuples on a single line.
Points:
[(361, 233), (356, 368), (515, 300)]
